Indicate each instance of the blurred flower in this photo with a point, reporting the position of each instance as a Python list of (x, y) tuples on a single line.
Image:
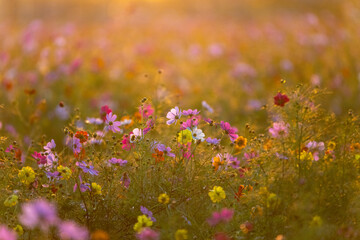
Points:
[(279, 130), (173, 116), (246, 227), (6, 233), (181, 234), (125, 180), (104, 111), (146, 110), (280, 99), (76, 145), (96, 121), (166, 150), (26, 175), (213, 141), (207, 107), (142, 222), (69, 230), (38, 213), (158, 155), (11, 201), (217, 162), (111, 124), (148, 234), (331, 145), (125, 142), (82, 136), (240, 143), (163, 198), (217, 194), (19, 230), (99, 235), (190, 112), (118, 161), (225, 215), (316, 221), (50, 145)]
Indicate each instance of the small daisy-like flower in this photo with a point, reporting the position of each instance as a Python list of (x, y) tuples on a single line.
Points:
[(279, 130), (229, 130), (111, 124), (163, 198), (143, 221), (96, 188), (65, 172), (213, 141), (76, 144), (87, 168), (50, 145), (173, 116), (165, 150), (240, 143), (198, 134), (136, 135), (26, 175), (217, 194), (181, 234), (331, 145), (280, 99)]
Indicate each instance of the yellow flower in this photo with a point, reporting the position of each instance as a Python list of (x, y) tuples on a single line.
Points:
[(331, 145), (316, 221), (217, 194), (19, 230), (65, 172), (96, 188), (185, 136), (142, 222), (304, 155), (26, 175), (240, 142), (11, 201), (181, 234), (163, 198)]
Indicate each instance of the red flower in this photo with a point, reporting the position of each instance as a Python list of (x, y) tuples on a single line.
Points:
[(239, 193), (104, 111), (159, 156), (82, 136), (281, 99)]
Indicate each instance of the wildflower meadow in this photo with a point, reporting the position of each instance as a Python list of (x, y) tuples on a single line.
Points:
[(161, 120)]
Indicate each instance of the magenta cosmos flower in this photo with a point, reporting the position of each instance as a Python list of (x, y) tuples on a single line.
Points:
[(231, 131), (279, 130), (70, 230), (6, 233), (111, 124), (148, 234), (173, 116), (225, 215)]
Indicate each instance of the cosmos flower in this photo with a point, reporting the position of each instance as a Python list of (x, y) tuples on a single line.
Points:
[(136, 135), (38, 213), (26, 175), (280, 99), (173, 116), (11, 201), (146, 110), (231, 131), (213, 141), (164, 198), (207, 107), (181, 234), (217, 162), (111, 124), (95, 121), (189, 123), (158, 155), (165, 150), (190, 112), (185, 136), (76, 145), (96, 188), (6, 233), (87, 168), (279, 130), (50, 145), (198, 134), (125, 142), (65, 172), (225, 215), (71, 230), (240, 143), (118, 161), (105, 110)]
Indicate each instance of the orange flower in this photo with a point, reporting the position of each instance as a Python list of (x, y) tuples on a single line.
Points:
[(158, 155), (239, 193), (82, 136)]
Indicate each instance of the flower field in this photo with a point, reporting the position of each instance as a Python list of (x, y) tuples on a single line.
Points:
[(180, 120)]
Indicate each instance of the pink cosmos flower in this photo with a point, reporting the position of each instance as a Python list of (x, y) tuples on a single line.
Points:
[(76, 144), (231, 131), (279, 130), (146, 111), (173, 116), (225, 215), (148, 234), (105, 110), (126, 144), (119, 161), (190, 112), (6, 233), (111, 124), (136, 135), (50, 145)]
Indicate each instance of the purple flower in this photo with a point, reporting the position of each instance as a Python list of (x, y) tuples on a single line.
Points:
[(76, 144), (213, 141), (118, 161), (70, 230), (96, 121), (149, 124), (173, 116), (225, 215), (190, 112), (111, 124), (147, 212), (234, 162), (166, 150), (50, 145), (38, 213), (148, 234), (279, 130), (55, 174), (231, 131), (6, 233), (189, 123), (207, 106), (87, 168), (83, 185)]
